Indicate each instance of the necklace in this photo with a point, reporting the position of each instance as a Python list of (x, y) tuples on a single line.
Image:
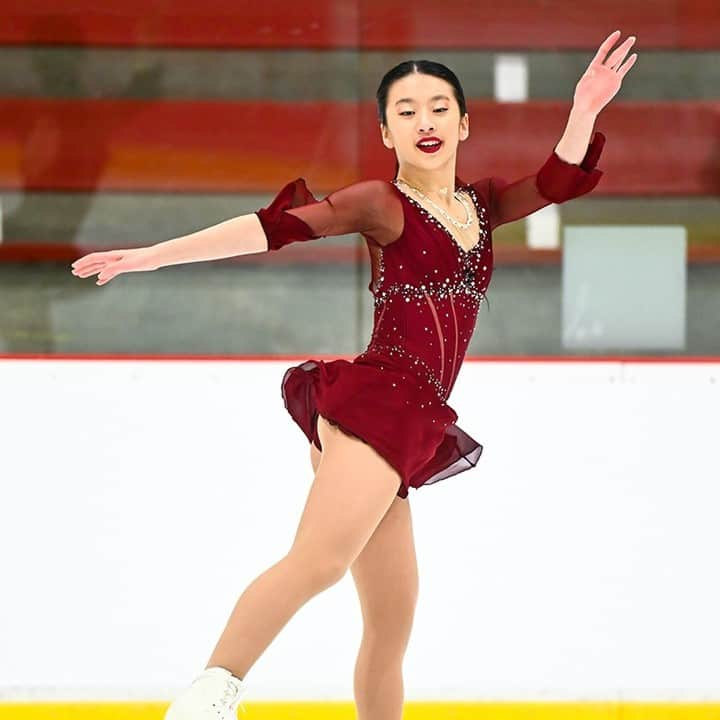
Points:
[(462, 225)]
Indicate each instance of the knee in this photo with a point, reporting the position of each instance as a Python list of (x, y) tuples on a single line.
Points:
[(389, 631), (320, 570), (384, 646)]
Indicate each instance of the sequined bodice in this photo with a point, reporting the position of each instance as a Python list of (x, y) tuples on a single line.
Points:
[(427, 294), (427, 288)]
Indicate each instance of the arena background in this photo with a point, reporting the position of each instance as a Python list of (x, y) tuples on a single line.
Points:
[(126, 124)]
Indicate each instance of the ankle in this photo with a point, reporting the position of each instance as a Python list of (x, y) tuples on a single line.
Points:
[(222, 670)]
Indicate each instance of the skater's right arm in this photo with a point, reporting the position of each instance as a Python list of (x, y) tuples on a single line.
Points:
[(239, 235), (369, 207)]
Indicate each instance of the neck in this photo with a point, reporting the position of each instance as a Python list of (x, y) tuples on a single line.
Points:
[(438, 184)]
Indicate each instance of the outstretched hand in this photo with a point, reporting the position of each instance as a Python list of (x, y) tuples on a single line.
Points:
[(111, 263), (603, 77)]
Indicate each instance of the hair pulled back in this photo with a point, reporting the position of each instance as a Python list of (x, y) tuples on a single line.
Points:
[(426, 67)]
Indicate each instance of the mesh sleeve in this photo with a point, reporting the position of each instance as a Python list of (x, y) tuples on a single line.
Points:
[(555, 182), (296, 215)]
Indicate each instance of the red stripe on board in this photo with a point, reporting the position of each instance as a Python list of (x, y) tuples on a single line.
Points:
[(391, 24), (228, 146)]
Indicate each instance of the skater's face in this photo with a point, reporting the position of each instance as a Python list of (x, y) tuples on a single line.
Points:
[(421, 106)]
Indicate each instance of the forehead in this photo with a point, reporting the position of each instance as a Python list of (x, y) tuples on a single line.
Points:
[(418, 87)]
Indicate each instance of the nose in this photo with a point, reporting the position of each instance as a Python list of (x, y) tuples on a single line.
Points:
[(426, 121)]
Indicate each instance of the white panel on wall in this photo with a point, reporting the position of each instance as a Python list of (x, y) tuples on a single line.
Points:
[(511, 77), (543, 228), (624, 287)]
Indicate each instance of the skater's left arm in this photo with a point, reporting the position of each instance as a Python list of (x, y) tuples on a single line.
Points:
[(571, 170)]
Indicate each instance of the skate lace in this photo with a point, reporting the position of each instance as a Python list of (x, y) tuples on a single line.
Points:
[(231, 696)]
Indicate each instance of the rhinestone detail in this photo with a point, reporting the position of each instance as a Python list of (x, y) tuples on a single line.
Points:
[(460, 284), (381, 269), (430, 376), (430, 218)]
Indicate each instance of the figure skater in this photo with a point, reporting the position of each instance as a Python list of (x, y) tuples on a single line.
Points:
[(381, 424)]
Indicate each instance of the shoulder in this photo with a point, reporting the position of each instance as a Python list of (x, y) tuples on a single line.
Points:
[(486, 187), (378, 205), (372, 188), (374, 200)]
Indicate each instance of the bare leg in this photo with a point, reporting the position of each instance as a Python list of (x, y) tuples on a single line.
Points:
[(352, 490), (386, 577), (263, 609)]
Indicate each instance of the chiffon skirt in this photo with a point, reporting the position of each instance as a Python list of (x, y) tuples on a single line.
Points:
[(386, 409)]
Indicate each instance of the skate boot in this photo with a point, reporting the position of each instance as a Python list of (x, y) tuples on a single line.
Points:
[(213, 695)]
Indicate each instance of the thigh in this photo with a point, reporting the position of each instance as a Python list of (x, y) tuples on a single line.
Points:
[(353, 488), (315, 457), (386, 577)]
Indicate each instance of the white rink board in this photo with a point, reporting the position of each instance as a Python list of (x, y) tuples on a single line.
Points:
[(578, 560)]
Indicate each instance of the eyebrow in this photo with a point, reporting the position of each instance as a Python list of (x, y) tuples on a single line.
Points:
[(434, 97)]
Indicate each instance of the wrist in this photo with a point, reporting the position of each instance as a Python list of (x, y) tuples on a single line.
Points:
[(581, 114), (574, 143), (151, 257)]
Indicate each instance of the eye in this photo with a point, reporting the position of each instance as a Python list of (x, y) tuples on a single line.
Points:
[(404, 112)]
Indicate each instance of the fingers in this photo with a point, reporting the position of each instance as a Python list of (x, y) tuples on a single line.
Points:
[(89, 270), (604, 48), (97, 262), (97, 258), (622, 71), (619, 55), (108, 273), (101, 270)]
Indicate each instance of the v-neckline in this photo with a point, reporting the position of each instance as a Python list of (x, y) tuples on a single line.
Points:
[(442, 226)]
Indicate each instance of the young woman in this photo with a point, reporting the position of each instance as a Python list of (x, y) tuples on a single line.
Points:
[(381, 424)]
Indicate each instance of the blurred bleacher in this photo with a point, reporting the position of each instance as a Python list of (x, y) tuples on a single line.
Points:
[(130, 123)]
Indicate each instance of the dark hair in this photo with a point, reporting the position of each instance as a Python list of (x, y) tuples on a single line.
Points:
[(426, 67)]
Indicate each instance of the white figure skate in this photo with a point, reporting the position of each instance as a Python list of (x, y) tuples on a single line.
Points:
[(213, 695)]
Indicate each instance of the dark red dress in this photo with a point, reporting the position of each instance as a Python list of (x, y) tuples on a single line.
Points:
[(427, 292)]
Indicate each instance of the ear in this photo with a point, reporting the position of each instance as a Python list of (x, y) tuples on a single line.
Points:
[(464, 131), (387, 142)]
